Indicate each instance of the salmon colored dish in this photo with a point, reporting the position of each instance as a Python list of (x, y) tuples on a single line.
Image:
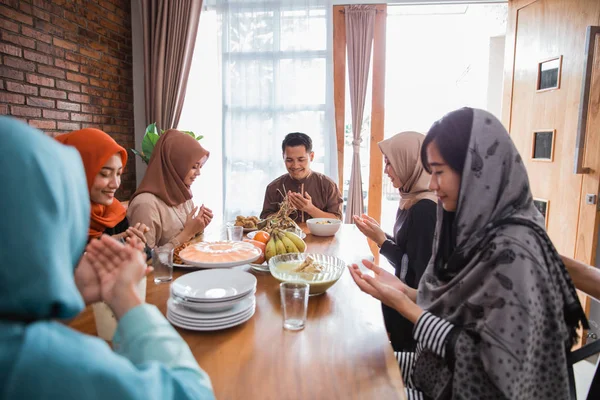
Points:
[(219, 252)]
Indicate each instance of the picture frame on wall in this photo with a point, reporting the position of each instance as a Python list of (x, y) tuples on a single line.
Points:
[(549, 73), (542, 145), (543, 206)]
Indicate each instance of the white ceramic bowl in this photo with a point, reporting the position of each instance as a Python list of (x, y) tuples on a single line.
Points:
[(323, 226)]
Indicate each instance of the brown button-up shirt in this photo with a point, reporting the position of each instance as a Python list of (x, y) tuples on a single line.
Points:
[(323, 190)]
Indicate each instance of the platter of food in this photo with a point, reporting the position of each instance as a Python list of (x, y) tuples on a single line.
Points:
[(220, 254), (250, 224), (177, 261)]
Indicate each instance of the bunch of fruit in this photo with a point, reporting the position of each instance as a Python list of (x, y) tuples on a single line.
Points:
[(283, 242), (278, 242)]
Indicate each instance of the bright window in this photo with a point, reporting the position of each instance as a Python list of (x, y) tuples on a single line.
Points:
[(269, 77), (439, 58)]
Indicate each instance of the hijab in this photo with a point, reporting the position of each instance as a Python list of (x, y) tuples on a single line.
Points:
[(45, 216), (96, 148), (504, 282), (403, 151), (173, 157)]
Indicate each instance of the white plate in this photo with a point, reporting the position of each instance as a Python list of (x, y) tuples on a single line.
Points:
[(235, 310), (228, 264), (211, 301), (192, 324), (210, 307), (185, 266), (193, 327), (252, 234), (208, 329), (211, 322), (187, 313), (214, 284)]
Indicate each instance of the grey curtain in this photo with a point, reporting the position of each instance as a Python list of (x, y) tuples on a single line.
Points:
[(360, 24), (170, 29)]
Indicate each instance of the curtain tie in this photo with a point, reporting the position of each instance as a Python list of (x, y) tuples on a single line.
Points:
[(356, 145)]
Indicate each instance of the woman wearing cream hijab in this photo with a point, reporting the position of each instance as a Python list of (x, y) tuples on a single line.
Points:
[(408, 249)]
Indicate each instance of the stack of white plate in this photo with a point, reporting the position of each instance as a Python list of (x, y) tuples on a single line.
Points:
[(212, 299)]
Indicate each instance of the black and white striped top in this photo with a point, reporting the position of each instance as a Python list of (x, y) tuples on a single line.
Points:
[(431, 333)]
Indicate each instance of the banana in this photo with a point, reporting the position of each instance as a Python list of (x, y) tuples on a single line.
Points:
[(279, 246), (270, 249), (289, 245), (298, 242)]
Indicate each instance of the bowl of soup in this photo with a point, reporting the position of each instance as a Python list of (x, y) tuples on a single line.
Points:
[(323, 226), (320, 271)]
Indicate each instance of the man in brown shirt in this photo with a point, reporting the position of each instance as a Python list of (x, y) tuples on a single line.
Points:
[(313, 194)]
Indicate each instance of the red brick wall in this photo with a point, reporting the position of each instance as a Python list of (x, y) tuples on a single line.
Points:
[(66, 65)]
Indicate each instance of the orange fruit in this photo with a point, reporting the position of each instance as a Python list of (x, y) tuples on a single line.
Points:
[(261, 246), (258, 244), (262, 236)]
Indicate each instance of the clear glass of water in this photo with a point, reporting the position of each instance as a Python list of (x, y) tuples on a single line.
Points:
[(162, 261), (235, 233), (294, 302)]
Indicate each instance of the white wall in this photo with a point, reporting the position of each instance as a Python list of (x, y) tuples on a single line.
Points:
[(496, 76)]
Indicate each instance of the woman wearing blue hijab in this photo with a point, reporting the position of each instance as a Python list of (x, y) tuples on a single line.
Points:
[(45, 216)]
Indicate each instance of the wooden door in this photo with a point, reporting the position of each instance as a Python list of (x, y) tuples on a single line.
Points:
[(539, 32)]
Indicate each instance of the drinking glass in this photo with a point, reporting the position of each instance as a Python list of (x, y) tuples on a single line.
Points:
[(162, 261), (235, 233), (294, 301)]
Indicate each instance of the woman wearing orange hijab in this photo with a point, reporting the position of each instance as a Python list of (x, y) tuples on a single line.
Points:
[(163, 201), (103, 160)]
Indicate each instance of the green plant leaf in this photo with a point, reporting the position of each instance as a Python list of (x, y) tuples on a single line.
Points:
[(193, 135), (148, 143), (150, 139), (137, 153), (140, 155), (151, 129)]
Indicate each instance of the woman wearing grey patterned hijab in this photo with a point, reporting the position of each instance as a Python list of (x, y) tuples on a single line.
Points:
[(496, 312)]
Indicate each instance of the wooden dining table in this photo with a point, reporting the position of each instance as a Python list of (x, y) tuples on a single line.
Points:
[(342, 353)]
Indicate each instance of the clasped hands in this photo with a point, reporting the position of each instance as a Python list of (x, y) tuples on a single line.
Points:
[(300, 202), (109, 271), (197, 220), (139, 231)]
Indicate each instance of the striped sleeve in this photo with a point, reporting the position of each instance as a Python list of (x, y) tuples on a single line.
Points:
[(431, 333), (406, 361), (413, 394)]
